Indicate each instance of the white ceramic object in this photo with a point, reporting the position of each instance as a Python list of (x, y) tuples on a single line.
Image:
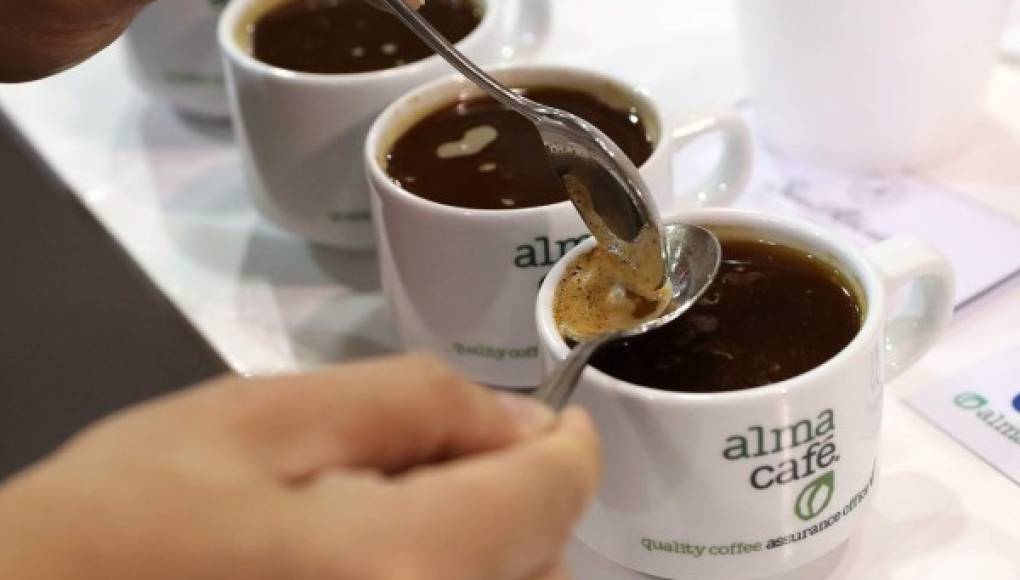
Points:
[(757, 482), (869, 86), (462, 282), (174, 57), (301, 135)]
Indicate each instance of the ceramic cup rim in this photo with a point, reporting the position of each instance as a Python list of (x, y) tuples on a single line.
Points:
[(238, 10), (439, 92), (851, 261)]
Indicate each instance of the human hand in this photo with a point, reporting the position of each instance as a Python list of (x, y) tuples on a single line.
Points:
[(395, 468), (41, 37)]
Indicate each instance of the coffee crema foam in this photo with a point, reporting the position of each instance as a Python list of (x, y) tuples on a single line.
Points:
[(610, 289), (472, 143), (598, 295)]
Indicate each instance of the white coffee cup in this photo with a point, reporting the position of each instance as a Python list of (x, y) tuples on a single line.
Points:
[(301, 135), (462, 282), (869, 86), (694, 486), (172, 54)]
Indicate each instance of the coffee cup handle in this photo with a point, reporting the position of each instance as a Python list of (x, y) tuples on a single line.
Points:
[(526, 28), (911, 265), (733, 169)]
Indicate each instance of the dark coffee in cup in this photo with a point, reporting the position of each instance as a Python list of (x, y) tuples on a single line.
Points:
[(478, 154), (773, 312), (351, 36)]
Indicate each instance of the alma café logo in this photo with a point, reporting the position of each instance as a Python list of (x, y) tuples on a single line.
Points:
[(1005, 425), (814, 460)]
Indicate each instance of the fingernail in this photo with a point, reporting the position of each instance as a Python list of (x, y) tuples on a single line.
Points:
[(529, 415)]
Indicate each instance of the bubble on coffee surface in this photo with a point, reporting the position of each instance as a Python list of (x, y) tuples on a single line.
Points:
[(472, 143), (594, 297)]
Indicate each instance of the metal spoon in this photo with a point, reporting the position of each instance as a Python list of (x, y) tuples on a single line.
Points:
[(600, 179), (608, 192), (694, 256)]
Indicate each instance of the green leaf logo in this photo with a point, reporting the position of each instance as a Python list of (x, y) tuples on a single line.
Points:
[(815, 496), (970, 401)]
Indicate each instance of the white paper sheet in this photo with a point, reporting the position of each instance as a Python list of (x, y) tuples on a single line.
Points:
[(982, 244), (980, 408)]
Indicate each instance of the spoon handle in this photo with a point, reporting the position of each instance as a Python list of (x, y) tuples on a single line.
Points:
[(556, 390), (417, 23)]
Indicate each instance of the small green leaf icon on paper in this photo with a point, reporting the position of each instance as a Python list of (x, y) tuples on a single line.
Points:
[(970, 401), (815, 496)]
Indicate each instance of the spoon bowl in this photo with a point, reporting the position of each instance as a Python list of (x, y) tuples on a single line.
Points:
[(694, 255)]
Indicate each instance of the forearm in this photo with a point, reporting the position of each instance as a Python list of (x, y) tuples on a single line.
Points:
[(41, 37)]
